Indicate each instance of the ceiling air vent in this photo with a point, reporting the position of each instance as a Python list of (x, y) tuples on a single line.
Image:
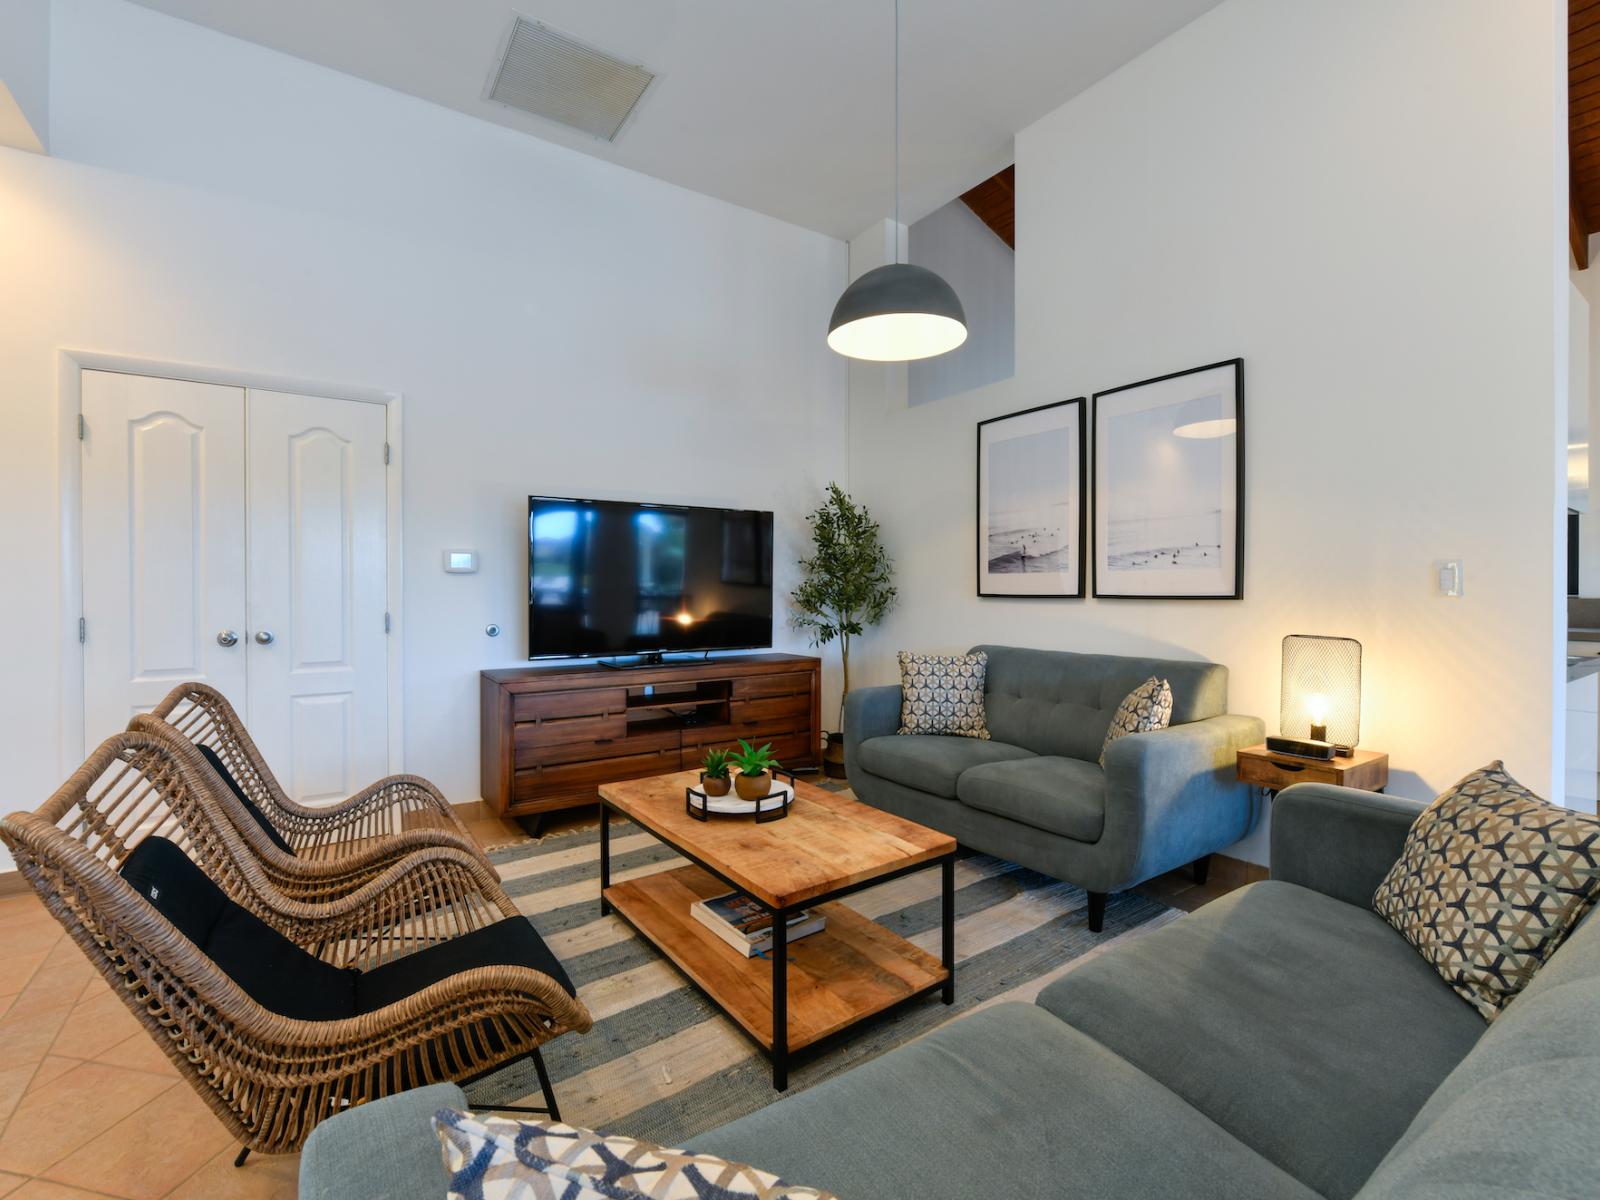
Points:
[(553, 76)]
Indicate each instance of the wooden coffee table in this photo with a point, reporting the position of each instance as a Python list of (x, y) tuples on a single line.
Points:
[(828, 847)]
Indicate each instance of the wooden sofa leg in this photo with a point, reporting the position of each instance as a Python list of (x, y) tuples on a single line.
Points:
[(1097, 911), (1202, 869)]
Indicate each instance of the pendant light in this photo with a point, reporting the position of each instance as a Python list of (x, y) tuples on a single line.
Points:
[(902, 311)]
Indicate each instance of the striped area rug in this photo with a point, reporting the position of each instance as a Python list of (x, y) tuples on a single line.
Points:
[(662, 1063)]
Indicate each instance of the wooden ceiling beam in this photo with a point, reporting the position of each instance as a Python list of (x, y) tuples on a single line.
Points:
[(994, 201)]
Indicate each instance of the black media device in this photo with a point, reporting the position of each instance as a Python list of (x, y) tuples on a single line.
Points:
[(1321, 751), (613, 578)]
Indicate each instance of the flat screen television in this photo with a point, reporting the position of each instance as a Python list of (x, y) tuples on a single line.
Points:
[(613, 578)]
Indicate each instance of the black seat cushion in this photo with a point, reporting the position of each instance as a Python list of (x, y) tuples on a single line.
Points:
[(272, 970), (260, 818), (283, 978), (512, 942)]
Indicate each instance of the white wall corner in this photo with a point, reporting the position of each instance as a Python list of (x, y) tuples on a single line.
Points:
[(878, 245), (25, 75)]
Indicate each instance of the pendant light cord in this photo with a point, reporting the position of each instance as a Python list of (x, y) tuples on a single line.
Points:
[(897, 132)]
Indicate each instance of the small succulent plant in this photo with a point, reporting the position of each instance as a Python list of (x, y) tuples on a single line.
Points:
[(716, 764), (751, 761)]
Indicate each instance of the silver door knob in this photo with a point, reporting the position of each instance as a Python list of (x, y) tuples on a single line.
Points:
[(264, 636), (227, 638)]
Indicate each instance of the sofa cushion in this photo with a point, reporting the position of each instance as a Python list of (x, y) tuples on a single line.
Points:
[(1531, 1084), (1304, 1026), (1058, 795), (1491, 880), (1006, 1102), (929, 762), (385, 1150), (1057, 702)]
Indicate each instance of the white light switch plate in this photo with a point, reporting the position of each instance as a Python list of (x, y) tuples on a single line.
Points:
[(1450, 578)]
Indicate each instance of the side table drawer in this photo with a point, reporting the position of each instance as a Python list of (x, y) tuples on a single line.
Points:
[(1276, 775)]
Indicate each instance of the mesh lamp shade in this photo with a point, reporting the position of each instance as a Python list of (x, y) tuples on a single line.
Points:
[(1321, 697)]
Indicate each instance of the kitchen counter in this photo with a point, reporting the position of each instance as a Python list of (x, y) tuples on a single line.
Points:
[(1578, 667)]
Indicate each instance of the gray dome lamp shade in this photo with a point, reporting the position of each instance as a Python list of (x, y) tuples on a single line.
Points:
[(897, 313)]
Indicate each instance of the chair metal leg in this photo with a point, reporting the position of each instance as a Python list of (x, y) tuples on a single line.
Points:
[(244, 1153), (550, 1109), (544, 1082)]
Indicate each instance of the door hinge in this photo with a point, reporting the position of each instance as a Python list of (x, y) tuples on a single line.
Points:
[(386, 454), (83, 631), (81, 427), (386, 622)]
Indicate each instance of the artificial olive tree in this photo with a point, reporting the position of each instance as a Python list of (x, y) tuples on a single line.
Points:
[(847, 584)]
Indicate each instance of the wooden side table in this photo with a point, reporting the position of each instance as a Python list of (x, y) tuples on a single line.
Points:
[(1368, 769)]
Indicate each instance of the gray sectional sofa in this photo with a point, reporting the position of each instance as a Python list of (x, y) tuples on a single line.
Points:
[(1036, 794), (1282, 1042)]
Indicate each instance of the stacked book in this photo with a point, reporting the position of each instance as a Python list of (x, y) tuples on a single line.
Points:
[(746, 926)]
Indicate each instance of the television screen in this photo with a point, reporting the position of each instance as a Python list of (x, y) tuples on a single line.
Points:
[(609, 577)]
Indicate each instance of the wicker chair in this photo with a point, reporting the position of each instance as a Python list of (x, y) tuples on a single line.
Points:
[(406, 807), (336, 871), (417, 935)]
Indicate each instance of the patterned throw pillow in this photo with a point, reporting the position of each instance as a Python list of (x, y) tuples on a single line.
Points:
[(943, 693), (490, 1158), (1144, 710), (1491, 880)]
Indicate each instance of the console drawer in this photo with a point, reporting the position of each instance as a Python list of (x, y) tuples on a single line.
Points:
[(527, 734), (534, 755), (766, 709), (592, 702), (533, 782), (790, 683)]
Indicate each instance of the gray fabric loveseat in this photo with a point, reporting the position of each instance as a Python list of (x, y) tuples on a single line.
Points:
[(1281, 1042), (1036, 794)]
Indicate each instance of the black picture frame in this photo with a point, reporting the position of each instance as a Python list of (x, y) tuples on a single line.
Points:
[(1238, 527), (1080, 544)]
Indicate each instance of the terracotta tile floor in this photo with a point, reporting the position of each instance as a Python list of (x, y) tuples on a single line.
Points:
[(90, 1107)]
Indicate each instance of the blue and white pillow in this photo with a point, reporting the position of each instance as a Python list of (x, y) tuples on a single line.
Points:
[(490, 1158), (943, 694)]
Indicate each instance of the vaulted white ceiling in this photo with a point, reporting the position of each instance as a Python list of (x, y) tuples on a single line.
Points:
[(782, 107)]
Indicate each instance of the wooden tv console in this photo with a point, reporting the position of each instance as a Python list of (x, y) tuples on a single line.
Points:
[(550, 736)]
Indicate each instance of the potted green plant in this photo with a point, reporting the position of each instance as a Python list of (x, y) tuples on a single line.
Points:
[(846, 588), (755, 770), (714, 774)]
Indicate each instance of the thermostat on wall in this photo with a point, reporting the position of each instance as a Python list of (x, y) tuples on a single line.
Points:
[(461, 562)]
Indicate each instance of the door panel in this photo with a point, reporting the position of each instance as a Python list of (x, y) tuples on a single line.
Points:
[(163, 542), (318, 687)]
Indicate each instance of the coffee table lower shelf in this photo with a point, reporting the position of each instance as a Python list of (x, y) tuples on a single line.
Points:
[(851, 970)]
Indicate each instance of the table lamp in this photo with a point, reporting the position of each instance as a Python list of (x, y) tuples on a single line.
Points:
[(1320, 704)]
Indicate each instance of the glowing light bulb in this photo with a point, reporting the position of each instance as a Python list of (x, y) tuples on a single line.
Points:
[(684, 618)]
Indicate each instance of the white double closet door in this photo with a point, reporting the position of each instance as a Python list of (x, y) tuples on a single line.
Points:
[(239, 537)]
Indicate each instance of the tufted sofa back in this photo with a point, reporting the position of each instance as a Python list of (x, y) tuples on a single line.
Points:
[(1058, 702)]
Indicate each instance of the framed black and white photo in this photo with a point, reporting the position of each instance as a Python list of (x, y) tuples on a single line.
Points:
[(1032, 490), (1169, 486)]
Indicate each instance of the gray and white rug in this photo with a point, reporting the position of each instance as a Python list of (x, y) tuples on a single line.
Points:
[(662, 1063)]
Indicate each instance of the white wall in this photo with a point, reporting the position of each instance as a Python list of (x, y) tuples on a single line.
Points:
[(25, 74), (1366, 201), (956, 244), (555, 324)]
